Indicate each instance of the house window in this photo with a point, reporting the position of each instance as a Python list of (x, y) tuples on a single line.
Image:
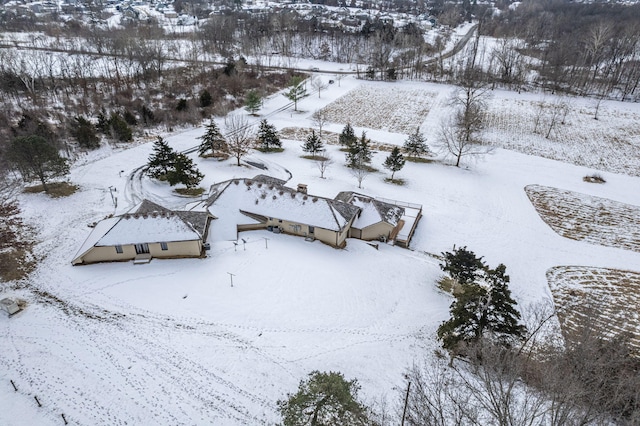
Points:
[(164, 246), (119, 249), (311, 229)]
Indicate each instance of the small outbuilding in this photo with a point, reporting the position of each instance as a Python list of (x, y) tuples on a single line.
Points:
[(9, 305)]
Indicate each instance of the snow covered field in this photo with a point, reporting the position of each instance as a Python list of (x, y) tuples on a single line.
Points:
[(607, 298), (172, 342)]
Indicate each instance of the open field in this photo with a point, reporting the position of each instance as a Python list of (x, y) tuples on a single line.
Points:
[(586, 218), (608, 300), (394, 109), (611, 143)]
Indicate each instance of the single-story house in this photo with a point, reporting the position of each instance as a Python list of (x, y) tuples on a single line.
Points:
[(147, 231), (265, 203), (382, 219)]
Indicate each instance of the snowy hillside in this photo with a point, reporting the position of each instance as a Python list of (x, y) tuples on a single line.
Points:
[(173, 342)]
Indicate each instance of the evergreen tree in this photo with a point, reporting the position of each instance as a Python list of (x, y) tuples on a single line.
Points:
[(313, 144), (182, 105), (184, 172), (483, 306), (359, 153), (84, 132), (35, 157), (205, 98), (502, 316), (129, 118), (268, 136), (119, 129), (468, 318), (162, 160), (463, 265), (416, 146), (252, 102), (296, 91), (394, 162), (212, 141), (324, 399), (348, 137)]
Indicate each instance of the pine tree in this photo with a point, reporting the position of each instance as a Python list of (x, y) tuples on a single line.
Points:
[(268, 136), (313, 144), (463, 265), (252, 102), (416, 146), (296, 91), (483, 306), (119, 128), (184, 172), (84, 132), (162, 160), (212, 141), (205, 98), (502, 316), (359, 153), (394, 162), (468, 318), (348, 137)]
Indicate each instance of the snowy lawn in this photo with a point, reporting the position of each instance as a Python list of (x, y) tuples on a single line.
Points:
[(171, 342), (604, 299), (587, 218)]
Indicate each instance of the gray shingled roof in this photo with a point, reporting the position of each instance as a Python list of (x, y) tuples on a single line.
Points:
[(197, 220)]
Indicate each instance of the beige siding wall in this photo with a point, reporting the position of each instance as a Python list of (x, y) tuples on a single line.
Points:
[(174, 249), (373, 232), (325, 235)]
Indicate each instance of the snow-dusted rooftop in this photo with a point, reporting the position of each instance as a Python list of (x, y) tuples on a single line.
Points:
[(133, 229), (373, 211), (276, 201), (147, 222)]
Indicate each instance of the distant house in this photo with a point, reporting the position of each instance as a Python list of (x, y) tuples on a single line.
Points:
[(147, 231), (265, 203)]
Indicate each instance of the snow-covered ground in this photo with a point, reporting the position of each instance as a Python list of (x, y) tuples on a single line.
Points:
[(173, 342)]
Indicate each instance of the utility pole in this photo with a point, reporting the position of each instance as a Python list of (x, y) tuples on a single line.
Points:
[(231, 276), (406, 401), (265, 242)]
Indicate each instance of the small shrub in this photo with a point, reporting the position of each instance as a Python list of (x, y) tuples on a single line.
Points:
[(56, 189), (399, 182), (594, 178), (190, 192)]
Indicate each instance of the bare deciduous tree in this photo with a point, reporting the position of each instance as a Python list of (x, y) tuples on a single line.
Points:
[(323, 162), (318, 84), (453, 143), (239, 134), (320, 118)]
